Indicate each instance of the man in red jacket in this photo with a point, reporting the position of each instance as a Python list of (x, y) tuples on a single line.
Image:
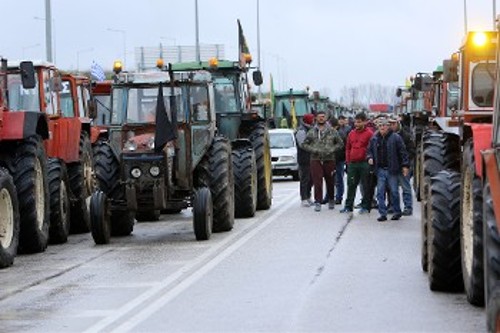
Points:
[(357, 165)]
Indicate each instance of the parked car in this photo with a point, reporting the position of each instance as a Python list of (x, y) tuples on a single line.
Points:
[(284, 153)]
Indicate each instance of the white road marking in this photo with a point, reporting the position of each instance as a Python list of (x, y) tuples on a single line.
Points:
[(148, 310)]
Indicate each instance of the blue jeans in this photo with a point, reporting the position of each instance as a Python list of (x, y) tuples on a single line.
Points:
[(339, 179), (384, 179), (405, 184)]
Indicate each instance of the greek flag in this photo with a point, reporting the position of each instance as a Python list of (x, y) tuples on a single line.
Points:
[(96, 72)]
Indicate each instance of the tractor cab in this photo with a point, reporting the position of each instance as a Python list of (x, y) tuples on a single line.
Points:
[(290, 106)]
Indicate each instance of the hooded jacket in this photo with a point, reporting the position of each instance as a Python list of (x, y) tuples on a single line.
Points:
[(322, 144)]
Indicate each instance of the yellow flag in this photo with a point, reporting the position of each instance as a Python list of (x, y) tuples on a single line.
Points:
[(294, 116)]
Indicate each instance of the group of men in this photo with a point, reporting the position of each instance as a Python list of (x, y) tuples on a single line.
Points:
[(375, 153)]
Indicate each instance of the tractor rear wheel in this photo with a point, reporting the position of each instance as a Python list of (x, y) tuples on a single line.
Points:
[(82, 184), (245, 182), (9, 220), (471, 228), (30, 178), (107, 171), (445, 269), (59, 202), (260, 141), (202, 214), (100, 224), (491, 260)]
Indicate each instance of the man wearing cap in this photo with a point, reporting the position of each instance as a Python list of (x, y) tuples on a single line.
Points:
[(304, 159), (404, 182), (322, 141), (388, 155)]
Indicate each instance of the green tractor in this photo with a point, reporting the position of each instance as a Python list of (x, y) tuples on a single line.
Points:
[(245, 128), (289, 108), (161, 153)]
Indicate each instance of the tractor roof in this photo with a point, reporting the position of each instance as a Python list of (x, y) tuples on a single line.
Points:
[(291, 93), (222, 64)]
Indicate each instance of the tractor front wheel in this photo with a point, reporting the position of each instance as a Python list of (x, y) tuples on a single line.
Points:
[(59, 202), (9, 220), (100, 224), (202, 214)]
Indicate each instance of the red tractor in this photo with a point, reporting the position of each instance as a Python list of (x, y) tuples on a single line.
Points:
[(452, 200), (63, 101), (24, 196)]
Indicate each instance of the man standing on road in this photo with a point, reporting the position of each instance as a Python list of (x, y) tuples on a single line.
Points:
[(343, 130), (404, 181), (387, 153), (322, 142), (357, 167), (304, 159)]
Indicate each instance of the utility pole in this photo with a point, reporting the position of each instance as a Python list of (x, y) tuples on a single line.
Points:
[(48, 31), (198, 59), (258, 45)]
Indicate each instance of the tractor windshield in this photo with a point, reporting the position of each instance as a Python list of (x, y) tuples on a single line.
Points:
[(21, 99), (137, 105), (226, 100), (483, 79), (284, 107)]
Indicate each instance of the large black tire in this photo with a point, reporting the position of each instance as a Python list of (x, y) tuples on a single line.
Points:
[(150, 215), (9, 220), (438, 151), (59, 202), (100, 224), (215, 171), (471, 228), (245, 182), (81, 178), (30, 178), (107, 171), (445, 269), (202, 214), (260, 141), (491, 261)]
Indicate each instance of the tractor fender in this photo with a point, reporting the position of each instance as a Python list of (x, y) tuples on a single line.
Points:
[(241, 143), (448, 125), (21, 125), (481, 135), (490, 167)]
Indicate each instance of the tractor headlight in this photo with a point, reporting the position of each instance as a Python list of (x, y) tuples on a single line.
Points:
[(130, 145), (154, 171), (151, 143), (136, 172)]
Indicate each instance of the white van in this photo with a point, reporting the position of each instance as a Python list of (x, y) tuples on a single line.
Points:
[(284, 153)]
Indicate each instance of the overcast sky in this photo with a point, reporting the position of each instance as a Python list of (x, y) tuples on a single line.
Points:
[(323, 44)]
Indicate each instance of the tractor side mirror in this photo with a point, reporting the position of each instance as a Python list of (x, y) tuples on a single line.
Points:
[(92, 108), (28, 74), (257, 77), (450, 70)]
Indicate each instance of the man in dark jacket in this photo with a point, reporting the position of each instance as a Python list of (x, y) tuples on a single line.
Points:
[(322, 141), (303, 157), (343, 129), (387, 153), (404, 181)]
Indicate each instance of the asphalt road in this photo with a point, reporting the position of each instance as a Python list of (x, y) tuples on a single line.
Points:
[(288, 269)]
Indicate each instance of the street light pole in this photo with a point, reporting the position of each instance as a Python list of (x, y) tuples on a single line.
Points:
[(48, 30), (258, 45), (124, 35), (78, 57), (198, 59)]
